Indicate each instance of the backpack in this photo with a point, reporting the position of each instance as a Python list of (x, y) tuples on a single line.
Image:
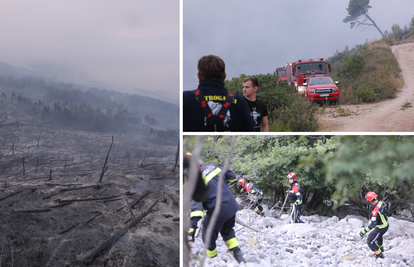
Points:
[(214, 123)]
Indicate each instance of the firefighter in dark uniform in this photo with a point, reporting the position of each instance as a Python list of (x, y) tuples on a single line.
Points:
[(195, 215), (379, 225), (295, 196), (257, 195), (228, 209), (201, 188)]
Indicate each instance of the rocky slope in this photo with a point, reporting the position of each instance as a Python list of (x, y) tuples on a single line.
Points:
[(321, 241)]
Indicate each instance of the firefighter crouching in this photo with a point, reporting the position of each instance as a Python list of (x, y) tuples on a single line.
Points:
[(257, 195), (295, 197), (378, 224), (228, 209)]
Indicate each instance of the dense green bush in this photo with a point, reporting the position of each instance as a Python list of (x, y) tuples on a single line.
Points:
[(287, 110), (353, 67), (370, 73), (365, 94)]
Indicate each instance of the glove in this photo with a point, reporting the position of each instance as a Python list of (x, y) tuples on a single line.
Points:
[(362, 233), (191, 233)]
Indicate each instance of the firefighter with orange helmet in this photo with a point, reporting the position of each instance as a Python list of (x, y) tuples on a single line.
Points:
[(257, 196), (378, 224), (295, 196)]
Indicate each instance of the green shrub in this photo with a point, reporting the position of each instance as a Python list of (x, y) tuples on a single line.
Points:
[(353, 67), (299, 116), (365, 93)]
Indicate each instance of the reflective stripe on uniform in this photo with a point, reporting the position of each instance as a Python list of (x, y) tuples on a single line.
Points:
[(383, 219), (197, 213), (232, 243), (211, 175), (211, 253)]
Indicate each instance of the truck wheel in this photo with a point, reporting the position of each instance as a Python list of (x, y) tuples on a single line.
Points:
[(337, 102)]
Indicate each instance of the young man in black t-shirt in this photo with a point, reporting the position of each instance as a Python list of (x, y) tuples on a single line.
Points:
[(258, 110)]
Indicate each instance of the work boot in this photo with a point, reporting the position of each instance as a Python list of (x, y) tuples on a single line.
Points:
[(381, 256), (238, 255)]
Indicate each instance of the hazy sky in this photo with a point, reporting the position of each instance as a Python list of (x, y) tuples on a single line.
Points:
[(255, 37), (130, 42)]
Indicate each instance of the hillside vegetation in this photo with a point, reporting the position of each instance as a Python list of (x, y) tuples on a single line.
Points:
[(70, 107)]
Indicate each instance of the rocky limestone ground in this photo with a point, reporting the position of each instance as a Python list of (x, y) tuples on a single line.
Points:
[(321, 241)]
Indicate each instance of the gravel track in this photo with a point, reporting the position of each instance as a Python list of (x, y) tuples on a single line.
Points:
[(386, 116)]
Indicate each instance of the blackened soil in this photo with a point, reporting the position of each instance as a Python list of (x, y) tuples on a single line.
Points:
[(58, 218)]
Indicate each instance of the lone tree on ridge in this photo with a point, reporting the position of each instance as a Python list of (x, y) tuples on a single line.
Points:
[(358, 15)]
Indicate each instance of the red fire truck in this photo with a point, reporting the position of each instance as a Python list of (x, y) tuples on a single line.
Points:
[(281, 73), (299, 71)]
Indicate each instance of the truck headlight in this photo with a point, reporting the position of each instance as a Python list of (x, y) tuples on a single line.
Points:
[(301, 89)]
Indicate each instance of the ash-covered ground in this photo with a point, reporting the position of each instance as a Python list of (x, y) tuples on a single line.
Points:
[(55, 212)]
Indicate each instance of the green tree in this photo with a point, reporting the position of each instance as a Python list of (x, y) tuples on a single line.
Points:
[(369, 163), (266, 160), (358, 15)]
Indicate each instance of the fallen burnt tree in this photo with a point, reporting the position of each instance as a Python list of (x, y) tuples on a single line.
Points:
[(88, 260)]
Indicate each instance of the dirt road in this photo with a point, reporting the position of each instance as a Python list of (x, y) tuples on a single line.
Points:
[(387, 116)]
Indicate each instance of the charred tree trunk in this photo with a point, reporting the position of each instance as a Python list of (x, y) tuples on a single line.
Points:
[(106, 160), (177, 155), (88, 260), (24, 170)]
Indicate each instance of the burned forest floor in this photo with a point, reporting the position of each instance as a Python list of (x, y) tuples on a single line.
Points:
[(55, 212)]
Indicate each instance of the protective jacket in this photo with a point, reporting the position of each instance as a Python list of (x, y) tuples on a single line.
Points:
[(228, 209), (229, 205), (196, 212), (379, 217), (201, 189), (237, 117), (252, 189), (295, 194)]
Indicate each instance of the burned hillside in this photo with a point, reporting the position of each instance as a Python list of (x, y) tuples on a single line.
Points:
[(56, 211)]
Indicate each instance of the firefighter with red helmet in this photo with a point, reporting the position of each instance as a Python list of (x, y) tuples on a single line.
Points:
[(295, 196), (257, 196), (378, 224)]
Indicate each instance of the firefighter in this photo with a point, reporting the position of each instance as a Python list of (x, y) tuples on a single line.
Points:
[(257, 196), (228, 209), (201, 189), (195, 215), (379, 225), (295, 196)]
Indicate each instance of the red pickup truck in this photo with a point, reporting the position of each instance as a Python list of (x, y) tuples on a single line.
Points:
[(321, 88)]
